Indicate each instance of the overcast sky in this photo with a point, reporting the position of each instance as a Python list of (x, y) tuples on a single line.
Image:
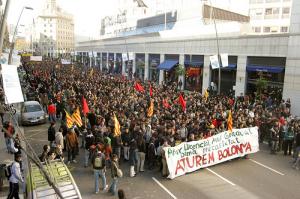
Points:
[(87, 13)]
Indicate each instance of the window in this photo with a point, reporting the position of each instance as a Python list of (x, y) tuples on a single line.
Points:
[(268, 11), (286, 10), (45, 25), (274, 29), (257, 29), (275, 11), (45, 30), (267, 29), (272, 1), (284, 29)]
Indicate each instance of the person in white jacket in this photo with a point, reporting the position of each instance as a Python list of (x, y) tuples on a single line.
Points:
[(59, 138), (15, 178)]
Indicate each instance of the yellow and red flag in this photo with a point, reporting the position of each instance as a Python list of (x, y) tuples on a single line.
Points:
[(206, 95), (77, 118), (150, 109), (229, 122), (117, 131), (69, 120)]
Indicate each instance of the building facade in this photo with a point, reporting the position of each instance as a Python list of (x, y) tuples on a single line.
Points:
[(55, 31), (274, 57), (270, 16)]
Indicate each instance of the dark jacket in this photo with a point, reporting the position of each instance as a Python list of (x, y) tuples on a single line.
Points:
[(89, 141), (116, 142), (142, 147), (126, 139), (51, 134)]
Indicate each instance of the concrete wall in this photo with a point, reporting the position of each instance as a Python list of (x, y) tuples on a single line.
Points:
[(292, 72)]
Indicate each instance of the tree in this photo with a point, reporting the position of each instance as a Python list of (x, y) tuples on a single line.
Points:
[(261, 85), (180, 70)]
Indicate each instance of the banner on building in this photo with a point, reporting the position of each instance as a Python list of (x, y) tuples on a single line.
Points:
[(191, 156), (224, 59), (65, 61), (126, 57), (36, 58), (11, 84), (214, 62)]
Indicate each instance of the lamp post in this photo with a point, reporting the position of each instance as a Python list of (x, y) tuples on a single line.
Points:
[(3, 25), (14, 35)]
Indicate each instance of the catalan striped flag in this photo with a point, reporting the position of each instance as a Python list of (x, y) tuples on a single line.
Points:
[(117, 131), (229, 122), (150, 109), (206, 95), (77, 118), (69, 120)]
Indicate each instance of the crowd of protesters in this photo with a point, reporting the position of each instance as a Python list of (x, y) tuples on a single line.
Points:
[(143, 139)]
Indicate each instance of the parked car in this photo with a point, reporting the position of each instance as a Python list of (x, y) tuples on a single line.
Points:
[(32, 113)]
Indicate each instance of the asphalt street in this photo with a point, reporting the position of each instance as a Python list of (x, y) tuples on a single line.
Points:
[(261, 176)]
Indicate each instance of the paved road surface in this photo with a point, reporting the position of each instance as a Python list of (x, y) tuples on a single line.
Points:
[(262, 176)]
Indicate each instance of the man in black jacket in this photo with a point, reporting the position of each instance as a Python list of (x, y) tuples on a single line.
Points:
[(89, 141), (51, 134)]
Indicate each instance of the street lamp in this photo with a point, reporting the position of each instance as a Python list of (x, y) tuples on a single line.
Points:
[(14, 35)]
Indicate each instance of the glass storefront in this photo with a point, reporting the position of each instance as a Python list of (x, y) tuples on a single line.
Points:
[(118, 69), (170, 75), (111, 58), (194, 69), (154, 60), (140, 66), (228, 76), (270, 71), (104, 62)]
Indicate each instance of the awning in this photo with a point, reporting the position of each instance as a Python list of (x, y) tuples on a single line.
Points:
[(270, 69), (229, 67), (193, 64), (167, 65)]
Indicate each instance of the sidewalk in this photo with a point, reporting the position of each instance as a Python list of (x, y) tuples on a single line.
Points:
[(5, 158)]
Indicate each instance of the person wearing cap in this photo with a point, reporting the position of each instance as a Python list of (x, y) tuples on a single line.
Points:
[(98, 162), (15, 178)]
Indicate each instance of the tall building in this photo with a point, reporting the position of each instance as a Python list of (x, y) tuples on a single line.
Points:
[(55, 31), (270, 16), (158, 15)]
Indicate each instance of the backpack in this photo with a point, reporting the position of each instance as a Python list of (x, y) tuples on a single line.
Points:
[(98, 162), (8, 172)]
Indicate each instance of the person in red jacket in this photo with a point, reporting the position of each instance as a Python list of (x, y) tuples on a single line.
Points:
[(52, 112)]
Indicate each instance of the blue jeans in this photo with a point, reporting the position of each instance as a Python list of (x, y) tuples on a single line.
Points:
[(86, 157), (113, 186), (97, 174)]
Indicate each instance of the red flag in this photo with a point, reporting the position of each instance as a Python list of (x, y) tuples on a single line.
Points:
[(85, 107), (150, 91), (139, 87), (182, 102), (166, 104)]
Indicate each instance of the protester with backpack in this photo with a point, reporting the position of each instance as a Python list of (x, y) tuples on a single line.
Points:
[(116, 173), (15, 176), (98, 162)]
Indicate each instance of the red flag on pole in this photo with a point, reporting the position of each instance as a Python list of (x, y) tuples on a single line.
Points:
[(150, 90), (85, 107), (139, 87), (182, 102), (166, 104)]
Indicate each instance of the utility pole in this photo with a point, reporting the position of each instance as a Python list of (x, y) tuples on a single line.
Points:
[(3, 25)]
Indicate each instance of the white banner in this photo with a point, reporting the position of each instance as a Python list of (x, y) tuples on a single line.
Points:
[(11, 84), (65, 61), (224, 59), (36, 58), (124, 57), (214, 62), (191, 156)]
